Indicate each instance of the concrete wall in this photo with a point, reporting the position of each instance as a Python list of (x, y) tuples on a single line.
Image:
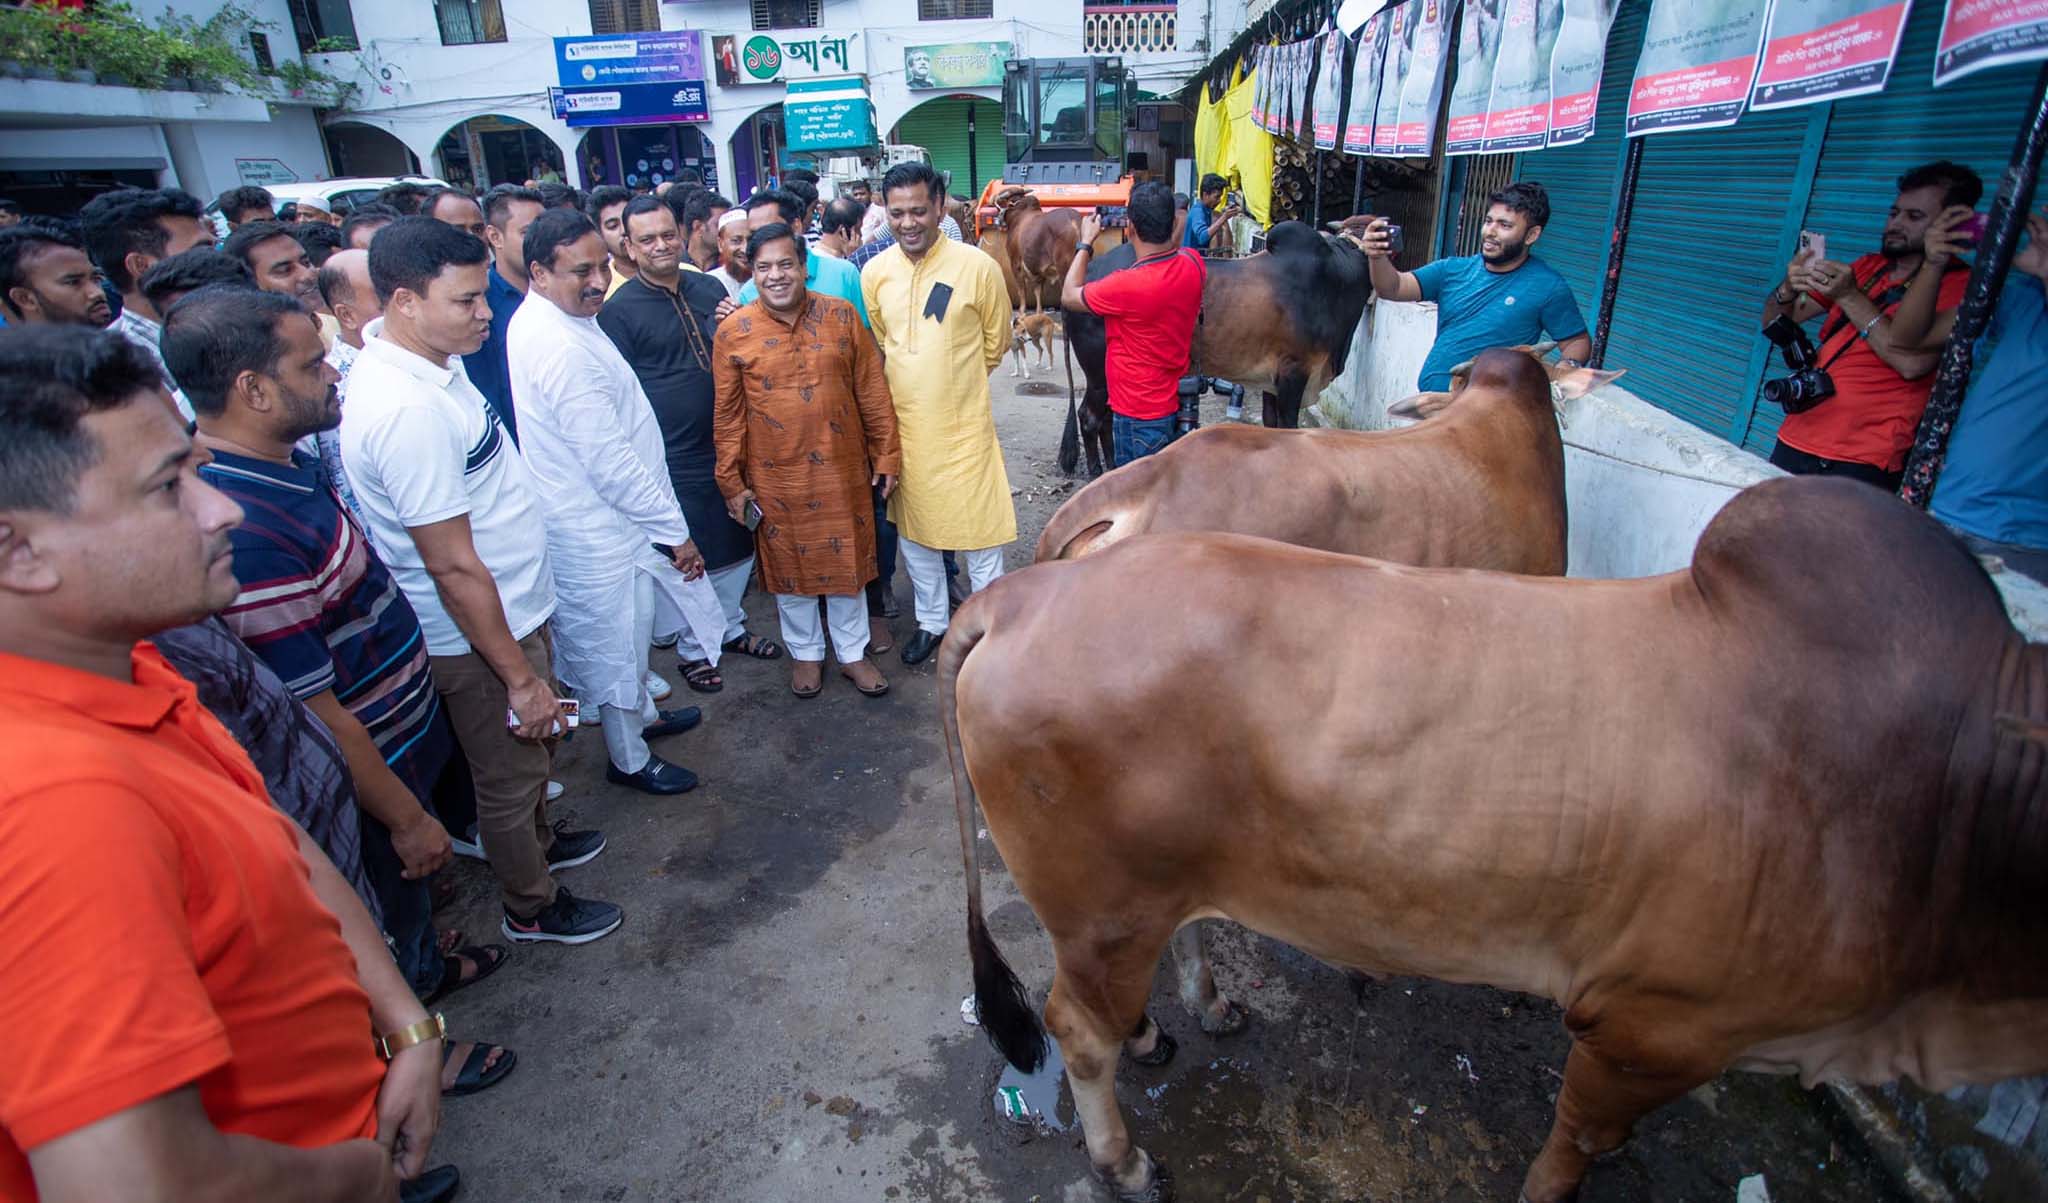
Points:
[(205, 153)]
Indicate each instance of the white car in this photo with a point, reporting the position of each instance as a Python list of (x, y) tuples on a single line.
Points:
[(343, 195)]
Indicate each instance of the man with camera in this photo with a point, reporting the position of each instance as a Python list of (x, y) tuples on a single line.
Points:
[(1502, 297), (1853, 403), (1209, 213)]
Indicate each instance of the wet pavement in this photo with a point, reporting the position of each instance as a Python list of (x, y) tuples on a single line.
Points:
[(779, 1018)]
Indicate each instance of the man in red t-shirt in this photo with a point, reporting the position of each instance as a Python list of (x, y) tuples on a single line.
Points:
[(1866, 429), (1149, 311), (192, 988)]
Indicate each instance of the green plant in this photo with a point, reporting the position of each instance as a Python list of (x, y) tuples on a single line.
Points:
[(37, 35), (301, 79)]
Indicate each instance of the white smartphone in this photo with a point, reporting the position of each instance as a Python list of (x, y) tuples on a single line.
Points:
[(1813, 245), (570, 708)]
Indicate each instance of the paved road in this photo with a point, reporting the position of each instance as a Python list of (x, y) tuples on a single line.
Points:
[(779, 1017)]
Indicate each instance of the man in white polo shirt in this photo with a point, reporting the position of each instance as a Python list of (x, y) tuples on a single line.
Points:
[(456, 515)]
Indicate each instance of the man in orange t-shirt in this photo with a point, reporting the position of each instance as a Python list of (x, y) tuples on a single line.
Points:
[(192, 988), (1866, 428)]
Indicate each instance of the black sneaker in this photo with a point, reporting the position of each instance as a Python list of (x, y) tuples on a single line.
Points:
[(568, 920), (573, 848)]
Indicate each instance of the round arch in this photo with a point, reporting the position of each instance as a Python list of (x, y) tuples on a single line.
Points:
[(483, 151), (963, 134), (357, 148), (641, 157), (757, 148)]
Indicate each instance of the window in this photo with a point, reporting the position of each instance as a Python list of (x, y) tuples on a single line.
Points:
[(467, 22), (786, 14), (956, 10), (259, 49), (324, 25), (625, 16)]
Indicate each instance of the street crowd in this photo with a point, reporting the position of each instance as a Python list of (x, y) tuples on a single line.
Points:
[(316, 538)]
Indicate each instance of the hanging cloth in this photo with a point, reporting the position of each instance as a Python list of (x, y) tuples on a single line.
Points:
[(1250, 157)]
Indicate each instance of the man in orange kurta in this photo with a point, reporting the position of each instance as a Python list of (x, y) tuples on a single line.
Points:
[(803, 426)]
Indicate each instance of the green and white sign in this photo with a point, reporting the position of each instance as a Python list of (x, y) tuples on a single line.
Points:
[(828, 114), (744, 58), (955, 65)]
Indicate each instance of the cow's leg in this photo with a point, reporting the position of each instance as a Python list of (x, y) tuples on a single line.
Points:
[(1097, 998), (1095, 430), (1198, 992), (1601, 1101), (1283, 410)]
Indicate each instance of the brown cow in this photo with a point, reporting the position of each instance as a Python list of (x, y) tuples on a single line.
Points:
[(1480, 487), (1040, 244), (1786, 809)]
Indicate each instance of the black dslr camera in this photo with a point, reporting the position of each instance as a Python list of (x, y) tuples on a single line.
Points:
[(1809, 384)]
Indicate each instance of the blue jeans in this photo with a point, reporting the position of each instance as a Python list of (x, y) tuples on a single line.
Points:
[(885, 555), (1136, 438)]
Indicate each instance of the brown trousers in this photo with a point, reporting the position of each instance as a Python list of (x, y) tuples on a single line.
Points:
[(511, 774)]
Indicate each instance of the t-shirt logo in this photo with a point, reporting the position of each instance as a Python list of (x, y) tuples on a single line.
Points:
[(1509, 300)]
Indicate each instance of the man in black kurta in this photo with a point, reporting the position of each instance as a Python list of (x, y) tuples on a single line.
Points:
[(661, 321)]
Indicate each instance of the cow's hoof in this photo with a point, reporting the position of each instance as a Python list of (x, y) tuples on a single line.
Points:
[(1235, 1019), (1163, 1050), (1159, 1190)]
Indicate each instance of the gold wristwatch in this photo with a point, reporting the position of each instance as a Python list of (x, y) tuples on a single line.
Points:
[(433, 1027)]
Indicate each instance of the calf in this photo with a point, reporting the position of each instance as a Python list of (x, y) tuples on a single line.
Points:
[(1040, 244), (1480, 487), (1786, 809), (1280, 321)]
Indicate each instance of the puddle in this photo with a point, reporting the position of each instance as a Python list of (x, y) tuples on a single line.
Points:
[(1034, 1098)]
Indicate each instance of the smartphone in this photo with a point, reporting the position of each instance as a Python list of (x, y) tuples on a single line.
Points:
[(1235, 198), (1813, 245), (1973, 230), (1395, 242), (570, 709), (752, 515)]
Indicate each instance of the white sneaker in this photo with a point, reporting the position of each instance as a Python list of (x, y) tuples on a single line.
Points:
[(658, 687), (468, 844), (555, 791)]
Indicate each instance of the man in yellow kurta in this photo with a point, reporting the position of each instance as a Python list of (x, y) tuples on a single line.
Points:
[(941, 313)]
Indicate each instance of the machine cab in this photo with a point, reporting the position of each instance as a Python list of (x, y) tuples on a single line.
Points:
[(1063, 120)]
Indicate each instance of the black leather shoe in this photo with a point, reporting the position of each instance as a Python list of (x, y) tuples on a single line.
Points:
[(657, 777), (437, 1185), (921, 647), (672, 722)]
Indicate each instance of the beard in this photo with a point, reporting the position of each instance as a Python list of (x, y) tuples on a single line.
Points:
[(316, 416), (1508, 252)]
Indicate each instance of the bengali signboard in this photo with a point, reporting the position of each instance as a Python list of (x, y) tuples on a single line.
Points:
[(1576, 62), (1976, 34), (610, 60), (1827, 49), (955, 65), (631, 104), (1367, 69), (828, 114), (744, 58), (1699, 59)]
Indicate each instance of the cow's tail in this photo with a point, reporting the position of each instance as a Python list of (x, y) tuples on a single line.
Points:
[(1077, 528), (999, 998), (1070, 434)]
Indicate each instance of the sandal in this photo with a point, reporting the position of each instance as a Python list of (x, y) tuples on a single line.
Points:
[(755, 646), (486, 957), (816, 688), (702, 676), (473, 1076)]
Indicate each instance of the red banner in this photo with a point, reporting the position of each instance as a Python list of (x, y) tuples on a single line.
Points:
[(1699, 59), (1804, 63), (1976, 34)]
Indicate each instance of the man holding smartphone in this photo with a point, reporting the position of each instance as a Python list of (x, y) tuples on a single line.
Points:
[(1502, 297), (1208, 212), (1880, 379)]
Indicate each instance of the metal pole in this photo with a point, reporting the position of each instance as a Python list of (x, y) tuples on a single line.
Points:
[(1617, 244), (1315, 212), (1358, 188), (973, 175), (1987, 277)]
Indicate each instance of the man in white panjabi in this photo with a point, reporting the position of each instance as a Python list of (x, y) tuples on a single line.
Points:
[(591, 441)]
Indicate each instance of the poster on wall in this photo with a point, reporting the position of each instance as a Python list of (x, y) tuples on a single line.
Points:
[(1422, 94), (1307, 55), (1699, 59), (1367, 66), (1976, 34), (1261, 76), (955, 65), (1329, 90), (1818, 50), (1478, 39), (1386, 120), (1576, 63), (1518, 111)]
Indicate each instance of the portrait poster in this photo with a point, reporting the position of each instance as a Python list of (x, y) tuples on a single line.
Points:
[(1367, 67), (1576, 64), (1478, 38), (1422, 94), (1699, 59)]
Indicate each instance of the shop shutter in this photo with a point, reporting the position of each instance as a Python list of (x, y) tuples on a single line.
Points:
[(1871, 140), (1582, 180), (941, 128)]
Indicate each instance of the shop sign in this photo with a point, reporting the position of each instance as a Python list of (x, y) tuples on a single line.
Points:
[(632, 104), (828, 114), (764, 58), (955, 65), (613, 60), (264, 172)]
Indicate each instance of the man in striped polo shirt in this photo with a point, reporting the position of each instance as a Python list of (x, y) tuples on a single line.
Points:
[(317, 604)]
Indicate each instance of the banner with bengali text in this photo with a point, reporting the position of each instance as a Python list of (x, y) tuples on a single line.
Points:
[(1518, 111), (1576, 64), (1329, 90), (1422, 93), (1386, 120), (1478, 39), (1699, 59), (1367, 68), (1819, 50), (1976, 34)]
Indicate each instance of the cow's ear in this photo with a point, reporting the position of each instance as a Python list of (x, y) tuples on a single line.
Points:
[(2028, 730), (1572, 383), (1421, 405)]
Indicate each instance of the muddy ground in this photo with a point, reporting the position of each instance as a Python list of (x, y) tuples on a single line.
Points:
[(779, 1018)]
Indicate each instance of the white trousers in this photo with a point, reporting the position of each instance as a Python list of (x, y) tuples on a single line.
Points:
[(730, 583), (622, 726), (847, 616), (927, 567)]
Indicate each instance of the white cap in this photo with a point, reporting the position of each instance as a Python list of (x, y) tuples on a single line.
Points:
[(314, 202), (730, 216)]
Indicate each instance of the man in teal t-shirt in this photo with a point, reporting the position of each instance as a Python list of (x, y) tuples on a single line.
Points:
[(1501, 297), (822, 273)]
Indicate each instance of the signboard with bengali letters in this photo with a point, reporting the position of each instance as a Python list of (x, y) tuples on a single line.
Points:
[(955, 65), (767, 57)]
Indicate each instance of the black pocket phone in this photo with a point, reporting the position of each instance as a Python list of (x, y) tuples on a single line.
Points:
[(935, 304)]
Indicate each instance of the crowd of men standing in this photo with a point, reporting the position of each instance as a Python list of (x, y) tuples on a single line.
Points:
[(361, 518)]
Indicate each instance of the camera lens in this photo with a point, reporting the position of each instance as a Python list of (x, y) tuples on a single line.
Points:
[(1775, 391)]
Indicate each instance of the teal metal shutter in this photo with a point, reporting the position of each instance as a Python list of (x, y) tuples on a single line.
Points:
[(1869, 141), (1583, 180), (941, 128)]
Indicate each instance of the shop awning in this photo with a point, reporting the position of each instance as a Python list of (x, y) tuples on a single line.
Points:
[(828, 114)]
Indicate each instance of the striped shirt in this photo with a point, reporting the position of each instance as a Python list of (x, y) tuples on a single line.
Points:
[(323, 612)]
